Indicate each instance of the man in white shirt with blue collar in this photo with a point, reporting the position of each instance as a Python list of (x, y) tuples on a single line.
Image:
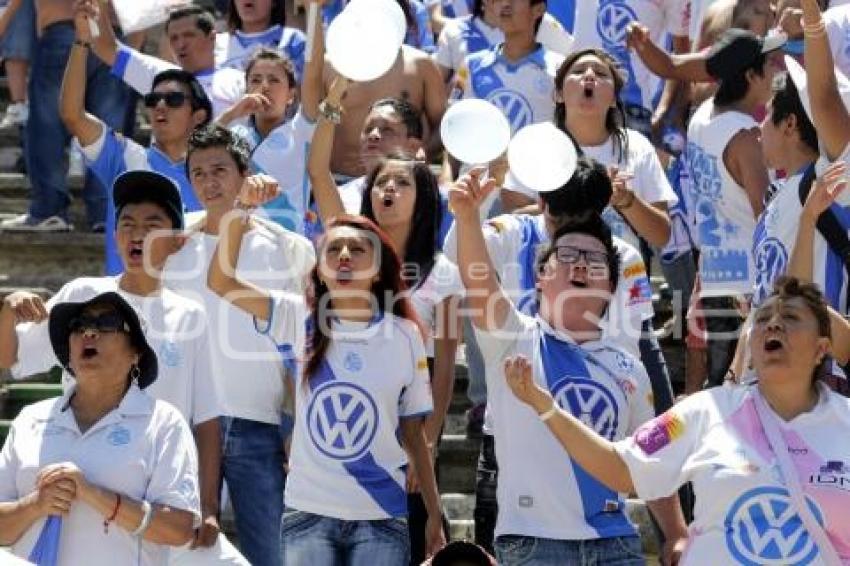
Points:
[(517, 76), (191, 35)]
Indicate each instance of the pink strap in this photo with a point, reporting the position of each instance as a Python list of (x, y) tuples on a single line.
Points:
[(792, 481)]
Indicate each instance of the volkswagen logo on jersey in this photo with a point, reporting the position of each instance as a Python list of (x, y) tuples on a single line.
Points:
[(763, 528), (514, 106), (771, 260), (612, 22), (342, 420), (589, 402)]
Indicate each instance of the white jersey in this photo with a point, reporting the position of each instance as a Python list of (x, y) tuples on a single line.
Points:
[(743, 513), (837, 20), (463, 37), (512, 243), (522, 90), (143, 449), (346, 460), (175, 328), (234, 49), (724, 216), (542, 492), (603, 23), (223, 86), (249, 366), (283, 155), (442, 283)]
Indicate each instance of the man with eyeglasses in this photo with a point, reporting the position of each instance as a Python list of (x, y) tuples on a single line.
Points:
[(176, 106), (149, 216)]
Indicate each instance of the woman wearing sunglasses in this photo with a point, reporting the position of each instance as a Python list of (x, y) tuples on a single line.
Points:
[(118, 467), (551, 511)]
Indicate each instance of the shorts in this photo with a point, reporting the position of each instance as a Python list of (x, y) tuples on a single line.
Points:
[(19, 40)]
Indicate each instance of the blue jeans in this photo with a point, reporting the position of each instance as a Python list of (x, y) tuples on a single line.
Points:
[(476, 388), (45, 135), (656, 367), (252, 462), (315, 540), (19, 39), (514, 550)]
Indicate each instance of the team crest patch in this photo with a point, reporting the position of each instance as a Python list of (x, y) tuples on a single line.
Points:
[(634, 269), (640, 292), (353, 362), (659, 432), (422, 364), (119, 436)]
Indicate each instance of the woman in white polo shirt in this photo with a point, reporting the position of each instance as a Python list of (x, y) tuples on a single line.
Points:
[(118, 466), (360, 400)]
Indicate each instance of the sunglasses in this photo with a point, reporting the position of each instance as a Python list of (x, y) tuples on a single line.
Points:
[(172, 99), (105, 323), (570, 255)]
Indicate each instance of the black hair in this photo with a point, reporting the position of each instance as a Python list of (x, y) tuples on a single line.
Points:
[(422, 242), (786, 102), (197, 97), (216, 135), (735, 87), (587, 192), (278, 15), (540, 19), (204, 19), (594, 227), (615, 119), (410, 116), (269, 54), (478, 8), (141, 197)]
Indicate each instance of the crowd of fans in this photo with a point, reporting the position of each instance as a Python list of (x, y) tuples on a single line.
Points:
[(293, 261)]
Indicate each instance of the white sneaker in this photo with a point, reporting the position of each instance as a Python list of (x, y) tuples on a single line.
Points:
[(16, 115), (24, 223)]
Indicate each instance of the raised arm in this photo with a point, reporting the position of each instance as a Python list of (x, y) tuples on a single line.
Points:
[(829, 115), (445, 351), (678, 67), (486, 301), (322, 181), (85, 127), (17, 307), (222, 278), (435, 102), (311, 84)]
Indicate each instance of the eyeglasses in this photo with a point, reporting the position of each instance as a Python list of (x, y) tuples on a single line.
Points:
[(570, 254), (107, 322), (172, 99)]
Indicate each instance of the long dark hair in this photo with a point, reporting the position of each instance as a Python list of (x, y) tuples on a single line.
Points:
[(389, 291), (278, 15), (421, 249), (615, 119), (409, 17)]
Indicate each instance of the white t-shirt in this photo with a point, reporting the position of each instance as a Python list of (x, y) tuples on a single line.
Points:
[(512, 243), (443, 282), (234, 49), (464, 36), (175, 328), (283, 155), (541, 491), (522, 90), (743, 512), (650, 182), (249, 368), (143, 449), (347, 461), (223, 86), (837, 20), (725, 222), (603, 23)]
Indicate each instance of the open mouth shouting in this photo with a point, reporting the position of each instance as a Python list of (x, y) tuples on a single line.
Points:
[(89, 352)]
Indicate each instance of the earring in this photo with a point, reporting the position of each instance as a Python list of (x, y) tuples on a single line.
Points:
[(135, 373)]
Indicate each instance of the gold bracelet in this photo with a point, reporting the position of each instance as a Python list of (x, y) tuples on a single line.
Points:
[(816, 29)]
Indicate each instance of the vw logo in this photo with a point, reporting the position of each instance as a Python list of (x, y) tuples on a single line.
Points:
[(342, 420), (514, 106), (589, 402), (771, 260), (762, 527), (612, 21)]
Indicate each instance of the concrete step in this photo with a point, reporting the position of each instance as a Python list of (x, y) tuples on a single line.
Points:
[(457, 462), (48, 260)]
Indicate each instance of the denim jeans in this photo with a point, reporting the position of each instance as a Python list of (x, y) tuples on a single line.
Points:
[(252, 462), (315, 540), (513, 550), (723, 324), (656, 367), (19, 39), (46, 137), (476, 388), (486, 504)]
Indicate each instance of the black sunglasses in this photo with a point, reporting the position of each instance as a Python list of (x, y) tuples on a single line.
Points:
[(172, 99), (570, 254), (107, 322)]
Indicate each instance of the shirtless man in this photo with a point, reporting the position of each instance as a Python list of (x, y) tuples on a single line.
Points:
[(414, 77)]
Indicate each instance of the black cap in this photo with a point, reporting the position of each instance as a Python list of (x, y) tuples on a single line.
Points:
[(462, 551), (134, 187), (736, 50), (62, 314)]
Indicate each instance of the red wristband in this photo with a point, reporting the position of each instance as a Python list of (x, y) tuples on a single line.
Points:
[(114, 514)]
